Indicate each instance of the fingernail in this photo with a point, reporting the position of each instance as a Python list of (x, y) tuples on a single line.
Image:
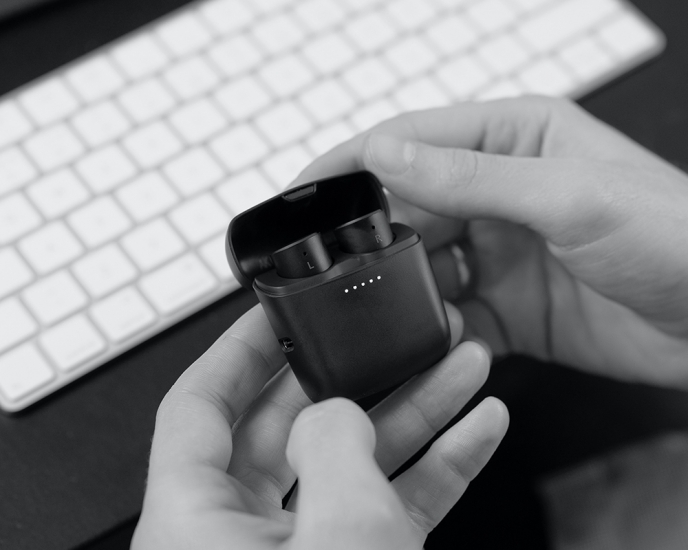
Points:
[(390, 154)]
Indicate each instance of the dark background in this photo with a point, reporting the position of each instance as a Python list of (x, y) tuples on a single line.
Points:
[(73, 467)]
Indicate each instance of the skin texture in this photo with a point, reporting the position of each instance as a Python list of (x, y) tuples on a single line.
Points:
[(578, 233)]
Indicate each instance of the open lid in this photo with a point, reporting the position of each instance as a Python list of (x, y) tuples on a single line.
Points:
[(318, 206)]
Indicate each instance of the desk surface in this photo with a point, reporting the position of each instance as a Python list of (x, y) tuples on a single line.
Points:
[(74, 466)]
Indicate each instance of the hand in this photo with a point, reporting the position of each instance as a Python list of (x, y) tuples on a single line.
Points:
[(223, 457), (580, 234)]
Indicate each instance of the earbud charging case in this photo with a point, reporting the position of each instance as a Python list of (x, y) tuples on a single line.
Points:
[(370, 321)]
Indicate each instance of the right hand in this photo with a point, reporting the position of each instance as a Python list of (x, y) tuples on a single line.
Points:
[(580, 234)]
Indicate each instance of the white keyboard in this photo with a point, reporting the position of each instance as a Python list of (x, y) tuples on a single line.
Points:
[(120, 172)]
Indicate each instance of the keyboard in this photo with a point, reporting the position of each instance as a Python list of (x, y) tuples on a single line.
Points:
[(120, 172)]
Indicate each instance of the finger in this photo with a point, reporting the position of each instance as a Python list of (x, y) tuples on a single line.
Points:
[(261, 437), (431, 487), (412, 415), (345, 501), (193, 426)]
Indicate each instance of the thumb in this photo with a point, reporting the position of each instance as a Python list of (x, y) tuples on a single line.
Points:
[(561, 199), (344, 499)]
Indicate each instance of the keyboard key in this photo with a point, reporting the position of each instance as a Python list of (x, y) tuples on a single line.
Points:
[(184, 34), (236, 55), (587, 58), (140, 56), (501, 89), (153, 244), (106, 168), (330, 136), (53, 298), (319, 15), (284, 124), (101, 123), (122, 315), (242, 98), (278, 33), (153, 144), (200, 218), (54, 147), (410, 14), (327, 101), (503, 54), (245, 190), (193, 172), (411, 57), (99, 221), (286, 75), (50, 247), (147, 196), (421, 93), (463, 77), (48, 102), (191, 78), (15, 170), (452, 34), (329, 53), (13, 124), (370, 32), (23, 371), (225, 16), (58, 193), (147, 100), (15, 272), (104, 270), (95, 79), (72, 342), (283, 167), (177, 284), (492, 15), (546, 77), (213, 253), (17, 217), (370, 78), (239, 147), (626, 36), (198, 121), (15, 323)]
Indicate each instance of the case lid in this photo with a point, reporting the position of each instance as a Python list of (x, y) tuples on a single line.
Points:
[(318, 206)]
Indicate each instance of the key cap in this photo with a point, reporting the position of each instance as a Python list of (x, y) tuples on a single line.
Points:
[(284, 124), (50, 247), (546, 77), (15, 272), (147, 196), (452, 34), (191, 78), (48, 101), (368, 116), (193, 172), (54, 147), (327, 101), (501, 89), (587, 58), (153, 244), (104, 270), (13, 124), (58, 193), (15, 170), (492, 15), (411, 56), (101, 123), (242, 98), (239, 147), (54, 297), (463, 77), (200, 218), (139, 56), (94, 79), (319, 15), (421, 93), (283, 167), (106, 168), (245, 190), (328, 53), (147, 100), (184, 34), (99, 221), (236, 55), (72, 342), (503, 54), (17, 217), (122, 315), (330, 136), (213, 253), (626, 36), (370, 78), (15, 323), (370, 32), (410, 14), (23, 371), (153, 144), (226, 16), (198, 121), (177, 284), (278, 33), (286, 75)]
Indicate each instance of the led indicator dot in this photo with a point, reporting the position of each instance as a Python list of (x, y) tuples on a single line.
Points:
[(378, 277), (347, 290), (371, 280), (355, 287), (362, 284)]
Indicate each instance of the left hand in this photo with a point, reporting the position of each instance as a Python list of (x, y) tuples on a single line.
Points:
[(223, 457)]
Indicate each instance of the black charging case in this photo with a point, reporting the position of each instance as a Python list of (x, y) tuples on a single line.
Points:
[(368, 322)]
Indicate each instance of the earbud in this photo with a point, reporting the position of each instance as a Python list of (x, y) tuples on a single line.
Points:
[(365, 234), (302, 258)]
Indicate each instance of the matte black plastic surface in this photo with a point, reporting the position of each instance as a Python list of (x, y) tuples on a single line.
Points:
[(365, 234)]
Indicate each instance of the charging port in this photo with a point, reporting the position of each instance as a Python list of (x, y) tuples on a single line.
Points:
[(287, 344)]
